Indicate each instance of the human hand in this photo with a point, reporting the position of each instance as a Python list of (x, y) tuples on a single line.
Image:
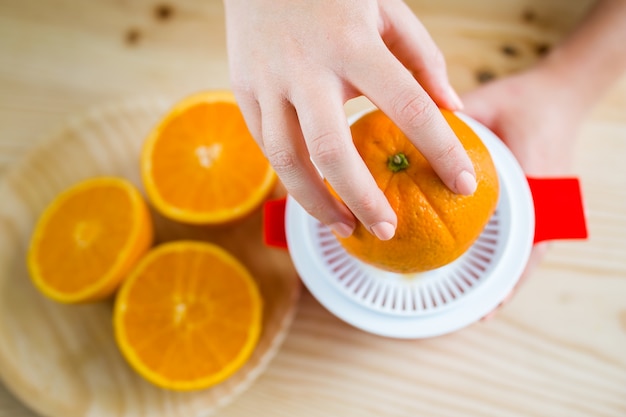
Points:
[(537, 112), (537, 118), (294, 65)]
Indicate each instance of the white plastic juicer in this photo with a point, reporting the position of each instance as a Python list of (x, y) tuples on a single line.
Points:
[(446, 299)]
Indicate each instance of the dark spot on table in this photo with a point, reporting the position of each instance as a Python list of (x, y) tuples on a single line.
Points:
[(163, 11), (132, 36), (484, 75), (542, 49), (565, 298), (509, 50), (622, 319), (529, 15)]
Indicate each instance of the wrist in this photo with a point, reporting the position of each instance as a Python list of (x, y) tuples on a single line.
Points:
[(578, 81)]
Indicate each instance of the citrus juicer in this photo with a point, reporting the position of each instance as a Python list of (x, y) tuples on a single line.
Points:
[(432, 303)]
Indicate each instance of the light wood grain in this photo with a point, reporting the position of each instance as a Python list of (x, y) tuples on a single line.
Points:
[(62, 360), (558, 349)]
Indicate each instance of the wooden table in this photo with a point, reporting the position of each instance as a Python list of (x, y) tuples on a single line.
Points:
[(558, 349)]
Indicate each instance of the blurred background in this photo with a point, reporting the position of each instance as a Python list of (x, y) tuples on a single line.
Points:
[(60, 56)]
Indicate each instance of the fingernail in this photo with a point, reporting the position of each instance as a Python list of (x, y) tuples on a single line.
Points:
[(456, 100), (383, 230), (342, 229), (465, 183)]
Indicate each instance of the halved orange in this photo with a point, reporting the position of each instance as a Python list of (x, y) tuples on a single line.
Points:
[(189, 315), (201, 165), (88, 239)]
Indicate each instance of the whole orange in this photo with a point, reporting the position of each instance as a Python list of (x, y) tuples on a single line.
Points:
[(435, 225)]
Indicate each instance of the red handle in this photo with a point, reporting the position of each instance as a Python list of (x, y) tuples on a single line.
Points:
[(559, 212), (274, 223)]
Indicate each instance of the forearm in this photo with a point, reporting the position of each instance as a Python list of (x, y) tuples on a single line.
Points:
[(593, 56)]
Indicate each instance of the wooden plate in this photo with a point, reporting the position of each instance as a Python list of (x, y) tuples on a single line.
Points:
[(62, 360)]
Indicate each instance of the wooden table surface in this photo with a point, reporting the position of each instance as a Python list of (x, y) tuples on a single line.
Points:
[(558, 349)]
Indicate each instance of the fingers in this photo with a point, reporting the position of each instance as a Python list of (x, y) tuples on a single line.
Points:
[(286, 151), (310, 128), (251, 111), (410, 42), (293, 141), (391, 87), (327, 135)]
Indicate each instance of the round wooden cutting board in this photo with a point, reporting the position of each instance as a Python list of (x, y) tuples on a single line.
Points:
[(61, 360)]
